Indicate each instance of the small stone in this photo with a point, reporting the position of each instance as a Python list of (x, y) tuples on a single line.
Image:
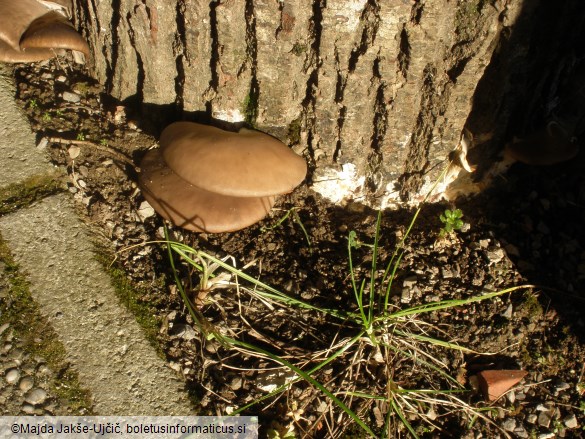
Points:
[(269, 381), (211, 347), (562, 386), (495, 254), (446, 273), (42, 143), (3, 328), (521, 432), (71, 97), (28, 409), (546, 436), (186, 332), (44, 370), (12, 376), (236, 383), (145, 210), (544, 419), (508, 313), (571, 421), (74, 151), (511, 396), (26, 384), (36, 396), (406, 295), (410, 281), (532, 418), (509, 424)]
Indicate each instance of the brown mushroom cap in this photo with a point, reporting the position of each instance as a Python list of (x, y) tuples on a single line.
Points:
[(244, 164), (548, 147), (15, 17), (53, 31), (193, 208)]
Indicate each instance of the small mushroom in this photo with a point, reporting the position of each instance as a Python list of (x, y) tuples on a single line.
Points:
[(193, 208), (243, 164), (547, 147), (53, 31)]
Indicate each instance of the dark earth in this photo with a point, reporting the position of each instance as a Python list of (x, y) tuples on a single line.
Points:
[(527, 229)]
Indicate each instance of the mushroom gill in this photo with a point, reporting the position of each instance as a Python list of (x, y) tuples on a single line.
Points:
[(193, 208)]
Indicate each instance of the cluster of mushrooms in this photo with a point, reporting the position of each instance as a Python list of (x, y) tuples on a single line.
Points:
[(209, 180), (33, 30)]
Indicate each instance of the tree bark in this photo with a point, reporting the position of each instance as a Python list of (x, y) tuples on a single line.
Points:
[(375, 93)]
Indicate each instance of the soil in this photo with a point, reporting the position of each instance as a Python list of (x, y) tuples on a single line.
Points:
[(525, 230)]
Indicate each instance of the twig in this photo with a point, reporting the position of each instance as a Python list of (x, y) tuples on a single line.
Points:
[(104, 148)]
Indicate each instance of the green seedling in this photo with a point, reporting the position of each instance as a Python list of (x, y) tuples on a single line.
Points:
[(33, 104), (452, 220), (80, 136), (297, 219), (47, 116)]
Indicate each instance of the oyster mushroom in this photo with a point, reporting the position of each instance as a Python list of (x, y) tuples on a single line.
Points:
[(53, 31), (547, 147), (243, 164), (193, 208), (210, 180), (29, 31)]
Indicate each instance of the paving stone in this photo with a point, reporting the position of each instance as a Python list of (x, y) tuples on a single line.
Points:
[(17, 151), (48, 241)]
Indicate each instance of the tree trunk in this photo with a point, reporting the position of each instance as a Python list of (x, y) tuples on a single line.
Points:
[(376, 93)]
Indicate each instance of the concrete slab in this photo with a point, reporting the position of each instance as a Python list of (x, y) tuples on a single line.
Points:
[(103, 341), (19, 159)]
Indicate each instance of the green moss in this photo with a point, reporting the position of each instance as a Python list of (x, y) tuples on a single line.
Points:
[(466, 18), (37, 337), (82, 88), (250, 109), (294, 131), (532, 306), (298, 49), (18, 195)]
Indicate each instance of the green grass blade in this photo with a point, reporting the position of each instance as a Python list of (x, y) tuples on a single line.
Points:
[(446, 304), (308, 378)]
